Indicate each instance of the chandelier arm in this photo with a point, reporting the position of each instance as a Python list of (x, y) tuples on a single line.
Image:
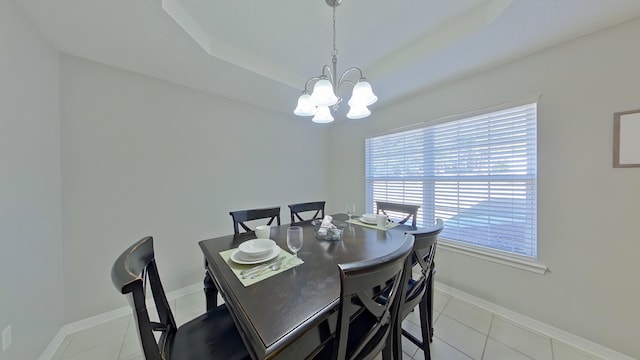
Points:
[(306, 84), (346, 72), (326, 69), (344, 75), (352, 83)]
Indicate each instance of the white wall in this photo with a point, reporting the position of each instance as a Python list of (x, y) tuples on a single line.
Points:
[(588, 212), (146, 157), (31, 293)]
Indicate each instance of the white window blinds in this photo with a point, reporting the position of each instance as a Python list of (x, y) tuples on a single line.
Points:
[(477, 174)]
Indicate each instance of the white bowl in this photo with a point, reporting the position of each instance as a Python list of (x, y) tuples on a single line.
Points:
[(369, 217), (257, 248)]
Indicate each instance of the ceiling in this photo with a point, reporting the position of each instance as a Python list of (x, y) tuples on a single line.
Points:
[(262, 52)]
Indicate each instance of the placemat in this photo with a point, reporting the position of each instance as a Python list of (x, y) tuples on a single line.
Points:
[(390, 225), (288, 262)]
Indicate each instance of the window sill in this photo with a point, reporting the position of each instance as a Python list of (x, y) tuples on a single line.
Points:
[(493, 256)]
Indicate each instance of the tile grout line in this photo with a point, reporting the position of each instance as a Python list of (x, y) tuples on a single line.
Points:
[(465, 325), (486, 340), (126, 331)]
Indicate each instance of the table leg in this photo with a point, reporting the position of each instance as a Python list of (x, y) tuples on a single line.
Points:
[(210, 291)]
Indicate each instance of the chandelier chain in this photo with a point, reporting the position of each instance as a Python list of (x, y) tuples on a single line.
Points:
[(335, 50)]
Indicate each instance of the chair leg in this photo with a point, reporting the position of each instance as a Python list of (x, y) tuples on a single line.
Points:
[(395, 345), (429, 295), (389, 351), (425, 326)]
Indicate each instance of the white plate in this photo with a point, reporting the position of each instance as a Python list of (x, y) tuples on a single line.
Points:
[(237, 257), (367, 221)]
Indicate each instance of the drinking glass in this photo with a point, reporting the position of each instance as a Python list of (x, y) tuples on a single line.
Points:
[(351, 210), (294, 239)]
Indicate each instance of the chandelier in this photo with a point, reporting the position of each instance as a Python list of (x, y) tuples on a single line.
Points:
[(328, 84)]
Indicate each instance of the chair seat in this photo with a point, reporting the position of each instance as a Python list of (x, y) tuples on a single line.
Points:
[(212, 335), (411, 289), (358, 328)]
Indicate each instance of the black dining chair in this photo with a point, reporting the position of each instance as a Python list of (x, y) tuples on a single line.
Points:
[(212, 335), (297, 209), (404, 212), (365, 325), (419, 290), (241, 216)]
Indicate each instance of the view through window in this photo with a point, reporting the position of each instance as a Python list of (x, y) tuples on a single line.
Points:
[(477, 174)]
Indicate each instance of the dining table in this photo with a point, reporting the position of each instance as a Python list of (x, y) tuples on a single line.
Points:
[(293, 313)]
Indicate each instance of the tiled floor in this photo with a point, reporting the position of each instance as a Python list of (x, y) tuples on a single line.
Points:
[(462, 331)]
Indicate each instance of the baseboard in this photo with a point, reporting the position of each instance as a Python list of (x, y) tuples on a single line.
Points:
[(84, 324), (53, 346), (583, 344)]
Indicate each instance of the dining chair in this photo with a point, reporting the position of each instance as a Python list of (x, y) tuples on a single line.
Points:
[(365, 325), (405, 211), (419, 291), (212, 335), (241, 216), (297, 209)]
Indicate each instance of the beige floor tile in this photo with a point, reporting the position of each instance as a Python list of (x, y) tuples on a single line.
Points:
[(193, 300), (407, 346), (130, 347), (460, 336), (414, 316), (110, 331), (470, 315), (498, 351), (532, 344), (440, 300), (442, 351), (189, 307), (105, 351)]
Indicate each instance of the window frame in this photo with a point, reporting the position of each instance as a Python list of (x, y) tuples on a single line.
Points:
[(504, 257)]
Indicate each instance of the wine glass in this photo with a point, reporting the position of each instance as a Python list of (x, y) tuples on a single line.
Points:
[(294, 239), (351, 210)]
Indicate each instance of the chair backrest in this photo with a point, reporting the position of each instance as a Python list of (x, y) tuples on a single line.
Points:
[(361, 286), (406, 210), (239, 217), (423, 255), (297, 209), (130, 273)]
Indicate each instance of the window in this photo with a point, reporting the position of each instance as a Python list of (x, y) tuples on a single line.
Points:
[(477, 174)]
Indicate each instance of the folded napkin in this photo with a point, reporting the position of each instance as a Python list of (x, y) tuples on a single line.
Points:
[(390, 225), (326, 225)]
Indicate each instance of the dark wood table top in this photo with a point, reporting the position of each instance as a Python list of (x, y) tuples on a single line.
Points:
[(277, 317)]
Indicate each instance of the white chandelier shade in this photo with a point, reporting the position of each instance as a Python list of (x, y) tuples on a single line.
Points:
[(363, 94), (323, 94), (357, 110), (305, 106), (323, 115)]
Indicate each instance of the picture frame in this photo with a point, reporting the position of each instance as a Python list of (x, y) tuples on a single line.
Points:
[(626, 139)]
